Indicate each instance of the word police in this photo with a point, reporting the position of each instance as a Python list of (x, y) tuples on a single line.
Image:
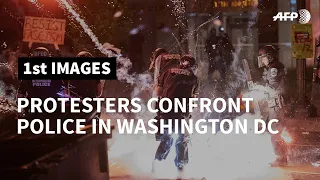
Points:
[(69, 68)]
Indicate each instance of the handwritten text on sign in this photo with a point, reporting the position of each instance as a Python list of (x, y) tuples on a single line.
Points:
[(44, 30), (301, 41)]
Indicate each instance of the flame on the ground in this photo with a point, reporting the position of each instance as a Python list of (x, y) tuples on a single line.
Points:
[(227, 157)]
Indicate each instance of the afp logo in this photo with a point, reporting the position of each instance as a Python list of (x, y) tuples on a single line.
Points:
[(305, 16)]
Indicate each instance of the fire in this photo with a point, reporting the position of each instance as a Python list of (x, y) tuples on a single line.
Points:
[(243, 105), (210, 156), (286, 136)]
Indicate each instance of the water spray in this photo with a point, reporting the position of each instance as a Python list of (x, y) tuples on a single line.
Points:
[(123, 72), (85, 27), (36, 3), (179, 12), (190, 34)]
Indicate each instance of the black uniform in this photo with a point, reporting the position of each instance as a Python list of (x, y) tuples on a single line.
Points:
[(220, 51), (85, 88), (178, 83), (41, 88)]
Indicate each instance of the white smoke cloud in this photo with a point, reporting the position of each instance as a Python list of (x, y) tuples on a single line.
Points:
[(211, 156)]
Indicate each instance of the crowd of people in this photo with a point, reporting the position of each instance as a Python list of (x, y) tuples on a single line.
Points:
[(174, 77), (48, 88)]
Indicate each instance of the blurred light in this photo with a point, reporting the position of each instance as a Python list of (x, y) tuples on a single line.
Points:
[(4, 45), (117, 14), (316, 164), (140, 12), (221, 29), (166, 29), (286, 136), (217, 22), (134, 31), (141, 27)]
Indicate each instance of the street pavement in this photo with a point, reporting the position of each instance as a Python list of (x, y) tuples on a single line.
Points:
[(122, 171), (213, 156), (131, 158)]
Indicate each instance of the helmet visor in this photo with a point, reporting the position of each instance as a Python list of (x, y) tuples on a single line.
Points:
[(263, 61)]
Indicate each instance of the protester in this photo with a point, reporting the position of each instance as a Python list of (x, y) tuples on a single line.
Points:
[(177, 82)]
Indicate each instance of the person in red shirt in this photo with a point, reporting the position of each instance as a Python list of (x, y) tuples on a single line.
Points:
[(177, 82)]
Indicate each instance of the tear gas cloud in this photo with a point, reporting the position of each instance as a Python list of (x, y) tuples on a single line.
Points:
[(210, 156)]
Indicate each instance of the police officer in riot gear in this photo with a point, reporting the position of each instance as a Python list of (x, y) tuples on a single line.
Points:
[(220, 53), (274, 76), (85, 54), (85, 88), (40, 52), (274, 70), (40, 88), (37, 89), (177, 82)]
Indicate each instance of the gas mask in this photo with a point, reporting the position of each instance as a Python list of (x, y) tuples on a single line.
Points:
[(263, 60)]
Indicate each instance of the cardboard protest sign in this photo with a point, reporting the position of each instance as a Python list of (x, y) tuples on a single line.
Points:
[(44, 30), (301, 41)]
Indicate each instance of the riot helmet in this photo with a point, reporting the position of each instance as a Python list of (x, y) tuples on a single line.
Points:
[(187, 61), (85, 54), (267, 54), (41, 52)]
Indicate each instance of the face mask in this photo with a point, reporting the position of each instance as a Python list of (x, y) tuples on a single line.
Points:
[(263, 61)]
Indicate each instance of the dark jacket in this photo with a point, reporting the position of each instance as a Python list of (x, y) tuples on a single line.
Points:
[(40, 88), (178, 83)]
